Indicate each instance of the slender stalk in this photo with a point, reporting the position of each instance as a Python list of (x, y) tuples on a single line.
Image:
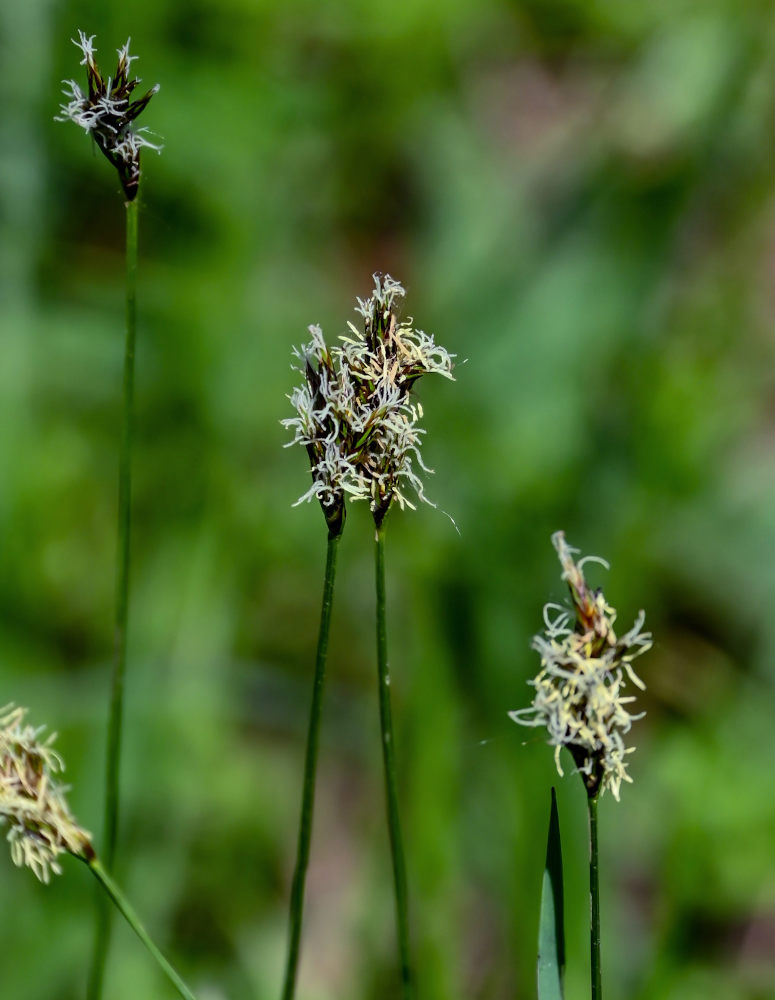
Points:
[(594, 895), (124, 529), (126, 910), (116, 712), (391, 785), (310, 770), (100, 950)]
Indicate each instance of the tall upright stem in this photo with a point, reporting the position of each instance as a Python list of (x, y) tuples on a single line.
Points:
[(310, 770), (125, 908), (391, 785), (594, 895), (124, 528), (116, 712)]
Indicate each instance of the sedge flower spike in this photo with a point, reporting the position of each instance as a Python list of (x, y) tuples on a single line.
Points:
[(40, 825), (585, 669), (107, 112), (355, 413), (32, 802)]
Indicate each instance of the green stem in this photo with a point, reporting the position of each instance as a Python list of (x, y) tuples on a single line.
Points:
[(594, 895), (115, 719), (310, 769), (125, 908), (100, 950), (124, 528), (391, 785)]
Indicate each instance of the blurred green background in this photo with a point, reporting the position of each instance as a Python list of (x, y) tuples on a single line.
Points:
[(580, 199)]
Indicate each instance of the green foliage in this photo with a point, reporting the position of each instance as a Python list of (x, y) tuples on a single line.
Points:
[(551, 927), (578, 198)]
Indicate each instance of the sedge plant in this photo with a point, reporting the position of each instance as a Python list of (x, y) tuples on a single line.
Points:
[(322, 404), (41, 828), (580, 699), (107, 112), (360, 425), (388, 356)]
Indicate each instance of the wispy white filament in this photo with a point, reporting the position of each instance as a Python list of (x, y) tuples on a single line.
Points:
[(354, 412), (32, 802), (580, 690), (107, 112)]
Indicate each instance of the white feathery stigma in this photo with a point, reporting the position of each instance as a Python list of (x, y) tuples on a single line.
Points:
[(354, 411), (580, 689), (32, 802), (107, 112)]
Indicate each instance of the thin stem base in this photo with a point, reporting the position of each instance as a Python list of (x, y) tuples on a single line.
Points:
[(391, 784), (127, 911), (594, 896), (310, 770), (116, 711)]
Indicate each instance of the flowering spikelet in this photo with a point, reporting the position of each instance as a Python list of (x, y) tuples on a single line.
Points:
[(32, 802), (107, 113), (389, 348), (355, 415), (584, 670)]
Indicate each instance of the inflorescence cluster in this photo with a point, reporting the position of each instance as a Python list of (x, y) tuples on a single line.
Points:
[(32, 802), (584, 670), (355, 413), (106, 112)]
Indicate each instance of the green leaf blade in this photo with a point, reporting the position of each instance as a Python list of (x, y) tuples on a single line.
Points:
[(551, 928)]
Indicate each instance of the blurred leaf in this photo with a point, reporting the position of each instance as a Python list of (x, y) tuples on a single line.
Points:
[(551, 933)]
